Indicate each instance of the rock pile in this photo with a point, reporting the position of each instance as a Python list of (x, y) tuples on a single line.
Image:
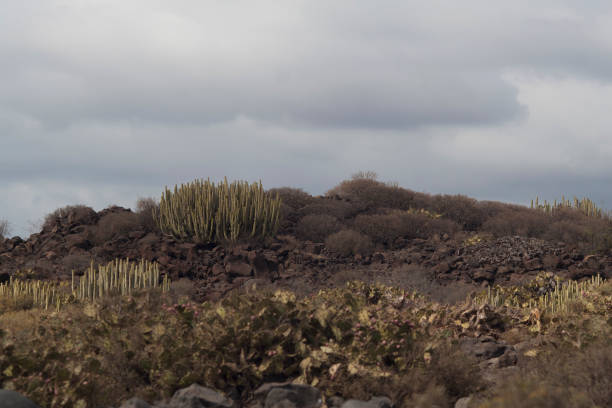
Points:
[(273, 395), (74, 239)]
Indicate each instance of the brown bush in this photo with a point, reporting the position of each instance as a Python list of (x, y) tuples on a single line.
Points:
[(561, 378), (317, 227), (114, 224), (4, 228), (342, 210), (292, 200), (287, 220), (441, 226), (457, 371), (573, 227), (386, 228), (566, 231), (71, 214), (450, 375), (349, 242), (515, 221), (374, 194), (463, 210), (295, 198), (533, 393), (76, 262), (145, 208)]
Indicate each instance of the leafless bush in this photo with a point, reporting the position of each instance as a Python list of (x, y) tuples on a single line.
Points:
[(295, 198), (368, 175), (80, 214), (386, 228), (76, 262), (375, 194), (114, 224), (342, 210), (349, 242), (561, 378), (4, 228), (463, 210), (524, 222), (317, 227), (145, 208)]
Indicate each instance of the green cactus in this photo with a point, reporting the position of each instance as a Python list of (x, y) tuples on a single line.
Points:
[(206, 212)]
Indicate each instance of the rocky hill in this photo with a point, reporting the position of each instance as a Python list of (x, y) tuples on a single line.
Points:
[(79, 235)]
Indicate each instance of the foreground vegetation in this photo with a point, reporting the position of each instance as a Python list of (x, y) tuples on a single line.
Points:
[(357, 341), (119, 330)]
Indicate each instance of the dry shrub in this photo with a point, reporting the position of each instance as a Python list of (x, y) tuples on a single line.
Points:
[(317, 227), (386, 228), (441, 226), (565, 231), (457, 371), (71, 214), (586, 370), (183, 289), (531, 393), (525, 222), (349, 242), (287, 219), (337, 208), (295, 198), (491, 209), (76, 262), (375, 194), (114, 224), (574, 227), (463, 210), (4, 228), (450, 375), (562, 378), (145, 208), (434, 396), (292, 200)]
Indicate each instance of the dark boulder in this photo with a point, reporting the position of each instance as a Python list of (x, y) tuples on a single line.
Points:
[(12, 399)]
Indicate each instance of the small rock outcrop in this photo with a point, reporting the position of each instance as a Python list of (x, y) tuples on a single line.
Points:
[(12, 399)]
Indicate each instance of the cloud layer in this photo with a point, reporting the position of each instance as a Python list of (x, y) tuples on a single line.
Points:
[(105, 101)]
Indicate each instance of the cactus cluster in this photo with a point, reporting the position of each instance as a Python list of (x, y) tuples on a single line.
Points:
[(117, 277), (120, 277), (25, 294), (585, 205), (206, 212), (556, 298)]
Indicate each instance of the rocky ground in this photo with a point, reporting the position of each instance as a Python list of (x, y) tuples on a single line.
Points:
[(442, 267), (437, 265)]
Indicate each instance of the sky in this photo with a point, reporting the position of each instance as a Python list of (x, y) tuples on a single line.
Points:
[(106, 101)]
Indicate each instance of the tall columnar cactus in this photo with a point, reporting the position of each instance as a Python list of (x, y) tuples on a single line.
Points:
[(206, 212), (586, 206)]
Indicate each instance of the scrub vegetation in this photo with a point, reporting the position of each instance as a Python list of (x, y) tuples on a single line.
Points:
[(118, 329)]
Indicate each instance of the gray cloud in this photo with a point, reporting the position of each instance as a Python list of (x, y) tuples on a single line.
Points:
[(103, 102)]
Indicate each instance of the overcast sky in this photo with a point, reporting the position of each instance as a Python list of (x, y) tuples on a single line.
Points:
[(105, 101)]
